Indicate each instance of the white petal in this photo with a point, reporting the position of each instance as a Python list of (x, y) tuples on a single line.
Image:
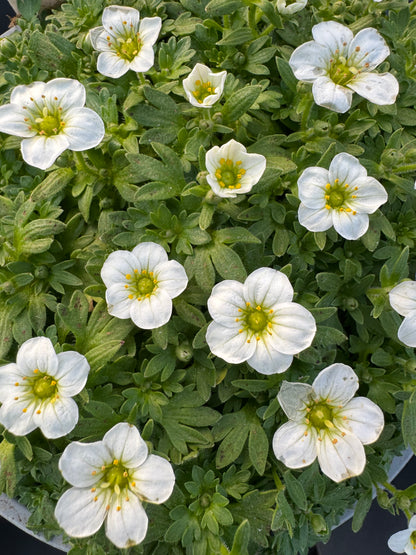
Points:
[(10, 375), (343, 459), (349, 225), (41, 152), (212, 158), (407, 330), (329, 95), (144, 60), (109, 64), (311, 187), (294, 398), (12, 121), (337, 383), (228, 344), (84, 129), (293, 328), (266, 360), (224, 192), (149, 30), (154, 480), (412, 523), (117, 298), (254, 164), (363, 418), (398, 541), (403, 297), (22, 94), (153, 311), (314, 219), (225, 300), (370, 195), (78, 514), (346, 168), (114, 16), (232, 150), (380, 88), (128, 525), (98, 37), (57, 419), (373, 49), (72, 373), (333, 36), (70, 93), (117, 265), (293, 447), (267, 287), (15, 420), (149, 255), (309, 61), (39, 353), (171, 277), (81, 463), (126, 445)]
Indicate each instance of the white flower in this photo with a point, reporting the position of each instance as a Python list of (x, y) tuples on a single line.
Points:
[(111, 479), (288, 7), (124, 42), (256, 321), (141, 284), (337, 63), (326, 422), (51, 118), (203, 87), (403, 300), (232, 170), (405, 540), (342, 197), (36, 391)]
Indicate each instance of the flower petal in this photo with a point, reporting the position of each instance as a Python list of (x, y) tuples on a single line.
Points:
[(154, 480), (111, 65), (403, 297), (41, 152), (407, 330), (12, 121), (341, 457), (337, 383), (98, 37), (329, 95), (362, 418), (57, 418), (149, 30), (22, 94), (311, 187), (70, 93), (10, 375), (293, 447), (398, 541), (72, 373), (171, 277), (267, 287), (294, 398), (84, 129), (349, 225), (228, 344), (149, 255), (346, 168), (334, 36), (126, 523), (370, 195), (153, 311), (314, 219), (81, 463), (17, 416), (39, 353), (144, 60), (117, 265), (293, 328), (126, 445), (372, 49), (119, 18), (309, 61), (226, 299), (118, 301), (266, 360), (78, 514), (380, 88)]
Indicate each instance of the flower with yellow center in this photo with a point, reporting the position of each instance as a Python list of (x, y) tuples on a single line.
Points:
[(256, 321), (403, 300), (51, 118), (111, 479), (232, 170), (405, 540), (124, 41), (203, 87), (141, 284), (327, 423), (337, 64), (37, 390), (341, 196)]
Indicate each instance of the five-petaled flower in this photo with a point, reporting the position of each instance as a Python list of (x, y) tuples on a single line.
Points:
[(124, 42), (232, 170), (141, 284), (256, 321), (203, 87), (51, 118), (403, 300), (405, 540), (36, 391), (342, 197), (337, 63), (326, 422), (111, 479)]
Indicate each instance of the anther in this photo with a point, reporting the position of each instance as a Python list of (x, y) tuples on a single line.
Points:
[(92, 490), (248, 340), (133, 484), (327, 207), (357, 48), (115, 462), (240, 331), (135, 270), (118, 508), (334, 441), (125, 474), (38, 411), (354, 213), (24, 410), (257, 338), (328, 186), (16, 398), (94, 472), (17, 383), (247, 304), (103, 467), (107, 508), (95, 498), (128, 276), (305, 434), (36, 370), (258, 307), (237, 319), (336, 181), (131, 296)]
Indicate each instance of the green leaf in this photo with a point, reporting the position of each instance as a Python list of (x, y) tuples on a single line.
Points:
[(258, 447), (231, 446), (227, 263), (53, 184), (240, 101), (189, 313), (236, 234), (217, 8), (286, 74), (361, 509), (25, 447), (156, 190), (241, 539), (6, 338), (51, 51), (28, 8), (295, 490), (8, 473), (409, 423), (236, 37)]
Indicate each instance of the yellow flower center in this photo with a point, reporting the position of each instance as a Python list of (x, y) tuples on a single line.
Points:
[(342, 70), (338, 196), (229, 174), (45, 120), (202, 90), (255, 321), (140, 284), (116, 476), (126, 44), (413, 539), (44, 386), (320, 416)]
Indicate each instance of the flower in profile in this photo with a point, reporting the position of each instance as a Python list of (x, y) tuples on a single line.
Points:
[(111, 478), (337, 63), (36, 390), (289, 7), (256, 321), (141, 284), (51, 118), (403, 300), (203, 87), (325, 421), (405, 540), (342, 197), (124, 42), (232, 170)]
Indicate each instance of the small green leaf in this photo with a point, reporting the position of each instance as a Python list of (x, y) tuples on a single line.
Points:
[(8, 473), (361, 509), (409, 423), (240, 101), (295, 490), (258, 447)]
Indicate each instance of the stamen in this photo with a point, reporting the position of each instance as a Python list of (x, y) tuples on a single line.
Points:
[(36, 370), (24, 410), (128, 276), (118, 508), (334, 441)]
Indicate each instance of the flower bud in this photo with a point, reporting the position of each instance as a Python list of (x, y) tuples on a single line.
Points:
[(7, 48), (383, 499), (205, 500), (350, 303), (239, 59), (41, 272), (318, 524), (184, 352)]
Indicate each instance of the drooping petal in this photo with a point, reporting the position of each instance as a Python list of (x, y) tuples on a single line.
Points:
[(267, 287), (328, 94), (171, 277), (341, 457), (37, 353), (314, 219), (118, 301), (370, 195), (144, 60), (403, 297), (111, 65), (149, 255), (309, 61), (17, 416), (228, 344), (227, 297), (294, 398), (149, 30), (347, 169), (41, 152), (153, 311), (295, 445), (67, 93), (117, 266), (368, 47), (78, 514), (337, 383), (154, 480), (334, 36), (126, 523), (120, 18), (267, 360), (380, 88), (12, 121), (81, 463), (362, 418), (407, 330), (84, 129), (349, 225), (398, 541), (126, 445), (72, 373), (57, 418), (293, 328), (311, 187)]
